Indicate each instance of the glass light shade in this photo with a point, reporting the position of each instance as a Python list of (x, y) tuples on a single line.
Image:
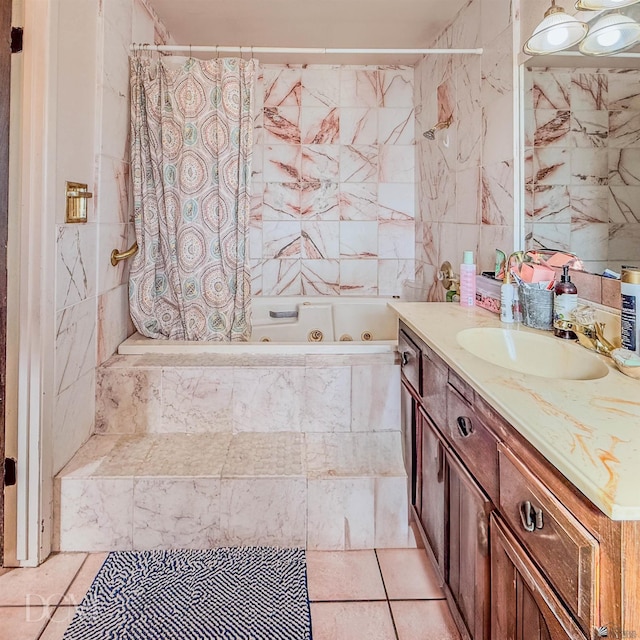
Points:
[(611, 34), (558, 31), (598, 5)]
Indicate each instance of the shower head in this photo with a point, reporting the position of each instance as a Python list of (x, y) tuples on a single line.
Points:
[(431, 133)]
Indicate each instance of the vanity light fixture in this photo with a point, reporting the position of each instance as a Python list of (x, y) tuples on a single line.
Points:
[(601, 5), (612, 33), (556, 32)]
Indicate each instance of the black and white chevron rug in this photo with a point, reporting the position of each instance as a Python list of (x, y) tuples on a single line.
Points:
[(235, 593)]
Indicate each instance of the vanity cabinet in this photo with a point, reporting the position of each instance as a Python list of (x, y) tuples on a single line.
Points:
[(468, 567), (521, 553), (431, 510), (523, 604), (410, 366)]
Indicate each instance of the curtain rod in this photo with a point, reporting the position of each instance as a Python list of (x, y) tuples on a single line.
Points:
[(317, 50)]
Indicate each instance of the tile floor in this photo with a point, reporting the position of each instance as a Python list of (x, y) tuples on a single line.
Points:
[(387, 594)]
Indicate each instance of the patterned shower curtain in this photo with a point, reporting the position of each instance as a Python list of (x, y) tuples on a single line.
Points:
[(191, 146)]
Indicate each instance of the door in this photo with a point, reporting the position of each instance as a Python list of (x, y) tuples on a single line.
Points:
[(469, 567), (5, 90), (432, 494), (524, 607)]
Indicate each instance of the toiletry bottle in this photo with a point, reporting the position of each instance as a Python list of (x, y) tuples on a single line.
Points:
[(452, 292), (507, 297), (467, 280), (564, 304), (630, 292)]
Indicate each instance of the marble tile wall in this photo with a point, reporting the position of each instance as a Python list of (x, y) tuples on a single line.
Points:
[(582, 136), (75, 244), (333, 180), (136, 396), (91, 299), (465, 177)]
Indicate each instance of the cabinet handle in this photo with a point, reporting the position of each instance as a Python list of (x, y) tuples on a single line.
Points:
[(405, 358), (526, 516), (530, 517), (464, 426)]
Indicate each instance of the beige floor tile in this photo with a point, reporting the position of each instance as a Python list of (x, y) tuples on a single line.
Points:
[(408, 575), (43, 585), (344, 575), (423, 620), (351, 620), (83, 580), (23, 623), (58, 624)]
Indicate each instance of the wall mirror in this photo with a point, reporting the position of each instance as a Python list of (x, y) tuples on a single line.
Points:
[(581, 144)]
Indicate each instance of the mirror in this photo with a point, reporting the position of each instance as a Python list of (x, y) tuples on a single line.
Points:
[(582, 160)]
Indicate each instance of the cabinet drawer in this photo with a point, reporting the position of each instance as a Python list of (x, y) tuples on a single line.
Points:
[(473, 442), (565, 551), (409, 361)]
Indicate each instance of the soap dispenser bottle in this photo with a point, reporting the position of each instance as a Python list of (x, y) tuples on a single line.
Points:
[(564, 304), (507, 299), (467, 280)]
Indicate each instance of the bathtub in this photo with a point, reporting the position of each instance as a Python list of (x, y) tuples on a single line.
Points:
[(340, 325)]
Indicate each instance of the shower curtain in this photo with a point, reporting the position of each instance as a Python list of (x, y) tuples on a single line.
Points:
[(191, 146)]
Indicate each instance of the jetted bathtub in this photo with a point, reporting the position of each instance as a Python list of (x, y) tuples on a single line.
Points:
[(338, 325)]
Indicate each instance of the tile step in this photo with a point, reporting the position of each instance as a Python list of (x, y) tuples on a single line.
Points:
[(158, 491)]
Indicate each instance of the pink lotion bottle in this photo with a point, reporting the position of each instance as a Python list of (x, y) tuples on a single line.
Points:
[(467, 280)]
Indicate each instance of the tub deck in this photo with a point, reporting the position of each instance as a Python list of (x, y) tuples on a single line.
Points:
[(141, 345)]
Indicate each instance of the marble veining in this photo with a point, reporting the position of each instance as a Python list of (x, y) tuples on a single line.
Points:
[(319, 201), (550, 127), (320, 277), (171, 513), (327, 137), (75, 275), (283, 124), (75, 343)]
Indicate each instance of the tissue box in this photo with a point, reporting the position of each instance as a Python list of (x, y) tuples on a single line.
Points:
[(488, 293)]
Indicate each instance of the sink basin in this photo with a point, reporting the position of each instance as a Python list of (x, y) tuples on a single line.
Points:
[(531, 353)]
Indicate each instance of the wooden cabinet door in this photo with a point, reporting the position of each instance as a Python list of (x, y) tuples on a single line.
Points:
[(432, 494), (408, 417), (469, 566), (524, 607)]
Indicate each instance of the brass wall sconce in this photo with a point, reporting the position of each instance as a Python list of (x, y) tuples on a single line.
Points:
[(77, 196)]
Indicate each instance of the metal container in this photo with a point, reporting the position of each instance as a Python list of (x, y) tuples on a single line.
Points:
[(630, 292), (537, 307)]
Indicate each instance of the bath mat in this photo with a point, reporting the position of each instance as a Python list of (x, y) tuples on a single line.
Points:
[(231, 593)]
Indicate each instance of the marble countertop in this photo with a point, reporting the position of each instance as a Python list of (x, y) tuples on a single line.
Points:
[(588, 429)]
